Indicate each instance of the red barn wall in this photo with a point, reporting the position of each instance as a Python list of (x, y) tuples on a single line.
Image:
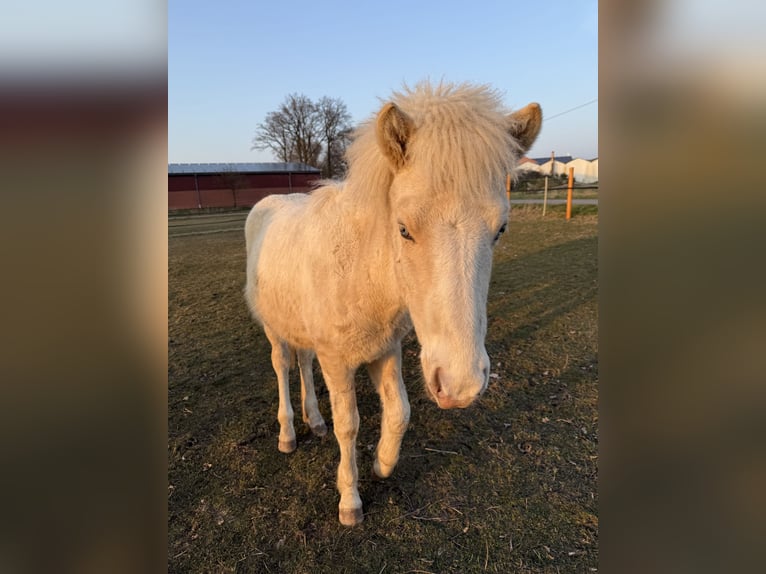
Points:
[(233, 190)]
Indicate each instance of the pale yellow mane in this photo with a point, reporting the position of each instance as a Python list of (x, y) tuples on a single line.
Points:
[(461, 133)]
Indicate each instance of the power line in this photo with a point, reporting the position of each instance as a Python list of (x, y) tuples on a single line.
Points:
[(571, 110)]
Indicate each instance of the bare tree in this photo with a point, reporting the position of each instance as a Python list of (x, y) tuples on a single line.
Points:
[(292, 132), (304, 131), (304, 127), (336, 128), (274, 134)]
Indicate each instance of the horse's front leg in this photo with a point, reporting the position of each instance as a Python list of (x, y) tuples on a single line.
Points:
[(340, 383), (386, 374)]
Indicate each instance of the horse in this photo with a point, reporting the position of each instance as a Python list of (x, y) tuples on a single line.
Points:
[(346, 271)]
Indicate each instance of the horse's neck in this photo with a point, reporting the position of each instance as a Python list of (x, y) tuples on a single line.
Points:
[(370, 212)]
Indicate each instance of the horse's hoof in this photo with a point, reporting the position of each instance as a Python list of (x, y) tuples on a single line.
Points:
[(375, 476), (378, 474), (287, 446), (319, 430), (350, 516)]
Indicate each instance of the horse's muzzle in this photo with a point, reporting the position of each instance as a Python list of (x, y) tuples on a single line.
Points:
[(449, 393)]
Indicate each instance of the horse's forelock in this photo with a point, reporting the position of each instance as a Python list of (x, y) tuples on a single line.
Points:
[(461, 134)]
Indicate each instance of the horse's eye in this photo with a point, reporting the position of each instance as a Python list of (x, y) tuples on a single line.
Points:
[(500, 232), (404, 233)]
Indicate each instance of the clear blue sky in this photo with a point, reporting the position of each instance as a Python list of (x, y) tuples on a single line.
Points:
[(232, 62)]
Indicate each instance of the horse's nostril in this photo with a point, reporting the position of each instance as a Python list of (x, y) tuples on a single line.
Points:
[(437, 380)]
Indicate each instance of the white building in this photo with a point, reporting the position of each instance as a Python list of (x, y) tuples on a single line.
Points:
[(553, 167), (584, 171), (528, 164)]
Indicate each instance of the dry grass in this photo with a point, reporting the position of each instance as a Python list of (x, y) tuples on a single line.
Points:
[(508, 485)]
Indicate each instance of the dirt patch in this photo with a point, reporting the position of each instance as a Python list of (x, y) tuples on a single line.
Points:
[(508, 485)]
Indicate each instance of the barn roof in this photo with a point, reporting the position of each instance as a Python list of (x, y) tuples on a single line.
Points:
[(214, 168), (561, 158)]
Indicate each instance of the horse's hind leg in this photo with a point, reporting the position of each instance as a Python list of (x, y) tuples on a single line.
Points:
[(311, 414), (280, 359)]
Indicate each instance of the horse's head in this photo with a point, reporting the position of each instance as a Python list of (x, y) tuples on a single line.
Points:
[(448, 208)]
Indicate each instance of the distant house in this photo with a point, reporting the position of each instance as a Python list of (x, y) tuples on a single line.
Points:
[(559, 158), (542, 165), (594, 163), (585, 171), (555, 167), (528, 164), (200, 185)]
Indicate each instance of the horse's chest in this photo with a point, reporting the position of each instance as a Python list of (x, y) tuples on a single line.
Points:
[(366, 336)]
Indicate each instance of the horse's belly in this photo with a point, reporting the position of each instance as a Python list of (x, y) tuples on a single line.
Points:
[(329, 326), (284, 315)]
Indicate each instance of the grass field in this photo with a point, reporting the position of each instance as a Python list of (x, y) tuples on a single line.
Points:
[(507, 485)]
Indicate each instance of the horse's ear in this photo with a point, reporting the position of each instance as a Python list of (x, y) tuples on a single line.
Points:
[(525, 124), (394, 129)]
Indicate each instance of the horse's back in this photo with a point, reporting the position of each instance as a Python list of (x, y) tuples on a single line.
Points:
[(262, 213)]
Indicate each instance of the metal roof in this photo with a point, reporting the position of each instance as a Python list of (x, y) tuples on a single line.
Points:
[(192, 168), (561, 158)]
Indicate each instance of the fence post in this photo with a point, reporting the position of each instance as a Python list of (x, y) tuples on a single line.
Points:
[(508, 186), (569, 192), (545, 196)]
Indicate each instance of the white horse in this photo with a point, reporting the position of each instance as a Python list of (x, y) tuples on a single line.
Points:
[(406, 240)]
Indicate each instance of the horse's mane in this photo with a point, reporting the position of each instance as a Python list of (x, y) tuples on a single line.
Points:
[(461, 134)]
